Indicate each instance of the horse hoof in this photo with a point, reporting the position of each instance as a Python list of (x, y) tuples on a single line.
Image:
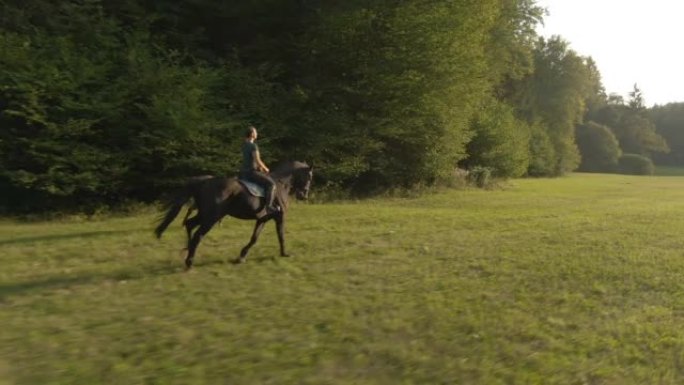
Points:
[(285, 255), (238, 261), (188, 264)]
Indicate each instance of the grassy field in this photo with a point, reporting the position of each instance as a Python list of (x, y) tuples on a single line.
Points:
[(578, 280)]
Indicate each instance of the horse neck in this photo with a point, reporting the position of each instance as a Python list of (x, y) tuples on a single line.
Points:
[(283, 177), (285, 171), (284, 182)]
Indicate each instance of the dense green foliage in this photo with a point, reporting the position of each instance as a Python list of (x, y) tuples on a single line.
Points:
[(669, 123), (93, 112), (599, 147), (634, 127), (555, 96), (501, 141), (105, 102), (576, 280)]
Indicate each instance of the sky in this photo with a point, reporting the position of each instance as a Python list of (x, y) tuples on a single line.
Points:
[(631, 41)]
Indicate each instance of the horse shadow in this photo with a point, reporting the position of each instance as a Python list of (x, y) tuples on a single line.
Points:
[(129, 274), (64, 236), (51, 283)]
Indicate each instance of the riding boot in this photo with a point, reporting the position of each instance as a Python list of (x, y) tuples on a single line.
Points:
[(270, 195)]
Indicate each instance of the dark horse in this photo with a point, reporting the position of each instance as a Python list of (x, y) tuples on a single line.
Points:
[(216, 197)]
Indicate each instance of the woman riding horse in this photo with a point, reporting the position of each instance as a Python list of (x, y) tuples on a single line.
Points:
[(217, 197)]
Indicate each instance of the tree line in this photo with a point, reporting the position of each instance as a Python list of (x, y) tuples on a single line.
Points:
[(108, 102)]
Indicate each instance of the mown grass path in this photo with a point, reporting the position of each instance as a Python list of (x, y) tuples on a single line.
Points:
[(577, 280)]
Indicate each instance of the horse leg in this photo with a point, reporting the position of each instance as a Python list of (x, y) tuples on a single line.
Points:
[(194, 242), (280, 229), (255, 235), (190, 224), (192, 207), (193, 222)]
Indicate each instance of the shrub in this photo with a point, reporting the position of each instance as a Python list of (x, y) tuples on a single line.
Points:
[(480, 176), (501, 141), (636, 164), (599, 148)]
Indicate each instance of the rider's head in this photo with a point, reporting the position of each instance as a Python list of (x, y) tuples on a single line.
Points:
[(251, 133)]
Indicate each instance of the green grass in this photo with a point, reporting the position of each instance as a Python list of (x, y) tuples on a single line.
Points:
[(578, 280)]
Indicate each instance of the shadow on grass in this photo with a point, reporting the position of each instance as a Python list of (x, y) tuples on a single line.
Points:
[(68, 282), (61, 237), (132, 273)]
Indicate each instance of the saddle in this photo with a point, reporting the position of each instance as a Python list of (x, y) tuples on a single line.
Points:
[(253, 188)]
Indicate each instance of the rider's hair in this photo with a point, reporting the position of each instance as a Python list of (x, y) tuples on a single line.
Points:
[(249, 131)]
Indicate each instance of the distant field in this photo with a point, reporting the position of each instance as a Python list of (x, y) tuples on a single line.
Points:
[(577, 280), (669, 171)]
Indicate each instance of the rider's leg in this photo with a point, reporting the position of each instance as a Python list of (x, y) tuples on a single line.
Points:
[(270, 197), (269, 188)]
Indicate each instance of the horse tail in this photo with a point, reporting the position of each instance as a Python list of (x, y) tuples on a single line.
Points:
[(172, 208)]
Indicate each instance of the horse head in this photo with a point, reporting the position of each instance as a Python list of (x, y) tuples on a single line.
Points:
[(296, 176), (302, 177)]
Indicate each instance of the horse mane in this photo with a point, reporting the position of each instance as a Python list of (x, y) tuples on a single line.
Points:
[(286, 168)]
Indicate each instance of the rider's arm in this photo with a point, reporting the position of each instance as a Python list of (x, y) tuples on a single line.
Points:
[(261, 164)]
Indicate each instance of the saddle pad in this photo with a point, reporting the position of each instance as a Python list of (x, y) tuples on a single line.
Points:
[(253, 188)]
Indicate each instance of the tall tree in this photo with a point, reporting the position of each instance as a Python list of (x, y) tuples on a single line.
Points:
[(632, 126), (386, 90), (669, 123), (636, 99), (556, 95)]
